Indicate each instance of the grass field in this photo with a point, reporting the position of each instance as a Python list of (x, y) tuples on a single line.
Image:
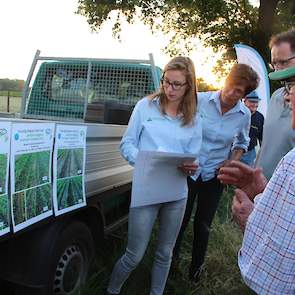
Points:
[(220, 276), (11, 93), (15, 103)]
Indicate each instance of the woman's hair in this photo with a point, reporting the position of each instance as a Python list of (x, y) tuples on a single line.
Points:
[(188, 105), (243, 74)]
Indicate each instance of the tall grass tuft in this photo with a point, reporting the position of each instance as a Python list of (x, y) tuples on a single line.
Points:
[(220, 275)]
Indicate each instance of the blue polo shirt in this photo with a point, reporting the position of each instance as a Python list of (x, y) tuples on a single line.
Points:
[(221, 133), (151, 130)]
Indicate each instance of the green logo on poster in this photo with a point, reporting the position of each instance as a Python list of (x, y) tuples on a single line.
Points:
[(3, 131)]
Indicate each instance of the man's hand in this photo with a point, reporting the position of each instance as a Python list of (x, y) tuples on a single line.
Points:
[(188, 168), (242, 207), (250, 180), (223, 164)]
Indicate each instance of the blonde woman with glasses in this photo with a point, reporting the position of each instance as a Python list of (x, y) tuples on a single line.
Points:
[(166, 120)]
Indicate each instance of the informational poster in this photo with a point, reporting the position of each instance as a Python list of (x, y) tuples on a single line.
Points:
[(30, 174), (69, 168), (5, 129)]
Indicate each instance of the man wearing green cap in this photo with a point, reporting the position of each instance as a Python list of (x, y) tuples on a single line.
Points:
[(267, 257), (287, 76), (251, 101), (278, 136)]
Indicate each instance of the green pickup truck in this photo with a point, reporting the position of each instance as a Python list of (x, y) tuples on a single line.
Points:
[(52, 256)]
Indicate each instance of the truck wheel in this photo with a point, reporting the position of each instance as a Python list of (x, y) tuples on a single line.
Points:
[(66, 253), (74, 252)]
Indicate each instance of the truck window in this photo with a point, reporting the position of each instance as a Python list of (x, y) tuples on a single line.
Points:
[(60, 90), (65, 86)]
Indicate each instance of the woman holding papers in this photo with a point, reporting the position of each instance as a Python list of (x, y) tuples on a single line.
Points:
[(166, 121)]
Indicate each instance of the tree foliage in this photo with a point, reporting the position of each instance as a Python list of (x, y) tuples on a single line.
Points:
[(204, 86), (219, 23), (11, 85)]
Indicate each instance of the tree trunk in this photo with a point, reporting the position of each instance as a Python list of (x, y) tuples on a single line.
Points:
[(266, 16)]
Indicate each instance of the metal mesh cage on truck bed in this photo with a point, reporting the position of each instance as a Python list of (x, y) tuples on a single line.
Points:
[(93, 90)]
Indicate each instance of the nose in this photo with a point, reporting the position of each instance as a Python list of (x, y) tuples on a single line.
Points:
[(279, 67), (231, 93), (170, 88)]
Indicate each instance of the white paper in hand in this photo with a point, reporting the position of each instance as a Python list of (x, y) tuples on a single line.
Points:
[(156, 178)]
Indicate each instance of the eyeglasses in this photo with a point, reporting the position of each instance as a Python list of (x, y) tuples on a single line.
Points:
[(288, 86), (284, 62), (175, 85)]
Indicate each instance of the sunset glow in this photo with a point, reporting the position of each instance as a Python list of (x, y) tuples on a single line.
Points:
[(54, 28)]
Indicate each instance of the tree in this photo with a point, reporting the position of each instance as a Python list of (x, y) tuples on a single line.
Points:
[(219, 23), (11, 85), (203, 86)]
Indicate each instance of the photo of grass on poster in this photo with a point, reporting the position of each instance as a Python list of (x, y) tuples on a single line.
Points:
[(32, 186), (69, 191), (31, 169), (70, 162), (4, 203), (30, 203)]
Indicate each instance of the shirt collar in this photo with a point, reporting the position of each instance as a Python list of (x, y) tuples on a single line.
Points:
[(156, 101), (239, 107)]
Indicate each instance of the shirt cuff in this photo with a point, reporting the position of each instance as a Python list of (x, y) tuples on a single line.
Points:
[(257, 198), (242, 146)]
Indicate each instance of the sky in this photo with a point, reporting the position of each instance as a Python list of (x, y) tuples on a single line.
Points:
[(53, 27)]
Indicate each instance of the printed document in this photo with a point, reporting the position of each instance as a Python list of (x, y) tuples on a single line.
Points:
[(157, 179)]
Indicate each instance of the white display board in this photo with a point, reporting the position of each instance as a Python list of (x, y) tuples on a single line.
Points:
[(69, 168), (30, 174), (5, 130), (249, 56)]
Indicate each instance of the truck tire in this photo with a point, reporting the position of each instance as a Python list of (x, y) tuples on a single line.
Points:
[(71, 259), (65, 261)]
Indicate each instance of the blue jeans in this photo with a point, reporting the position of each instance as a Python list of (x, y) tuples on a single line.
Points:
[(249, 157), (141, 221)]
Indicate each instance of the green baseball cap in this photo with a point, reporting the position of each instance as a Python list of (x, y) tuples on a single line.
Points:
[(283, 75)]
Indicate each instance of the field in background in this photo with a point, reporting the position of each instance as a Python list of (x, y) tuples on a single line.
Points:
[(14, 101), (221, 275)]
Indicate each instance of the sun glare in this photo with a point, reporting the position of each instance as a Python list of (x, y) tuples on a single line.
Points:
[(137, 40)]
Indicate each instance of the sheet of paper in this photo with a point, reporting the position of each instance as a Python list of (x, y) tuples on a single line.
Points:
[(157, 179)]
